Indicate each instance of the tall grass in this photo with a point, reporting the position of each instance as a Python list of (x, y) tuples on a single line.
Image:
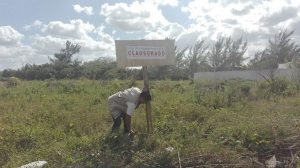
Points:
[(67, 124)]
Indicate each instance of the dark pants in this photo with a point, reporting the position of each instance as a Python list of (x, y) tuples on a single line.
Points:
[(117, 123)]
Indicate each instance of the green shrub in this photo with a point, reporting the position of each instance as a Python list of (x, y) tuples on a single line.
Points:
[(277, 86), (222, 94)]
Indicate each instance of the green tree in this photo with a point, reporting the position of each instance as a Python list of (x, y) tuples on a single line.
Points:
[(217, 56), (64, 66), (197, 57), (103, 68), (236, 54), (174, 72), (65, 55), (281, 49), (227, 54), (180, 70)]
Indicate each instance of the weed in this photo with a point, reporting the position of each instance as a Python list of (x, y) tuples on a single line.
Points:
[(67, 124)]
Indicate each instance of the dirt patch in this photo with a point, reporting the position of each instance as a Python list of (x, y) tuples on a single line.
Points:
[(214, 161), (284, 153)]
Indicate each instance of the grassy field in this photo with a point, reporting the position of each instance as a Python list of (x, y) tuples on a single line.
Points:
[(217, 124)]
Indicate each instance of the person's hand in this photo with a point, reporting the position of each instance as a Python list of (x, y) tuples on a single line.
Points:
[(131, 134)]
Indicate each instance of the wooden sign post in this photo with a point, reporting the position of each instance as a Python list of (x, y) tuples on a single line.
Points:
[(132, 53), (148, 104)]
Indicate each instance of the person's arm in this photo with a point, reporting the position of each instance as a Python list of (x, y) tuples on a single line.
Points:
[(137, 106)]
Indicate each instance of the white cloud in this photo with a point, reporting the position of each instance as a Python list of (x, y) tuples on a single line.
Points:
[(102, 36), (243, 11), (142, 17), (51, 38), (13, 53), (165, 2), (88, 10), (46, 45), (94, 42), (78, 31), (90, 48), (135, 17), (37, 24), (75, 29), (210, 19), (255, 21), (280, 16), (9, 36), (172, 30), (15, 56)]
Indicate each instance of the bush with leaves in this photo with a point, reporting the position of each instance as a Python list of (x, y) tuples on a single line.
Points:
[(276, 86), (222, 94)]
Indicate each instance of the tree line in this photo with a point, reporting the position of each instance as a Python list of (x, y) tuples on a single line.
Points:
[(226, 54)]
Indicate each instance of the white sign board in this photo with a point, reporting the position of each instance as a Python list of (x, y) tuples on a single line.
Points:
[(145, 52)]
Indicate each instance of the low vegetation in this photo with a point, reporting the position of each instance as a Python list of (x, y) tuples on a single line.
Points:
[(63, 119), (221, 123), (226, 54)]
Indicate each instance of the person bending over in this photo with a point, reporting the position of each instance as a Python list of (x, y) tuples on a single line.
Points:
[(121, 105)]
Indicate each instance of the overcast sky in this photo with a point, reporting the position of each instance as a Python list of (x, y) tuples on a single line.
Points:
[(32, 30)]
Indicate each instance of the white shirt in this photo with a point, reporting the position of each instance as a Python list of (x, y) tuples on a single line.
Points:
[(131, 95), (130, 108)]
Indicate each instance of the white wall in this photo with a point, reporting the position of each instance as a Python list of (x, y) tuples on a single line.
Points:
[(247, 75)]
